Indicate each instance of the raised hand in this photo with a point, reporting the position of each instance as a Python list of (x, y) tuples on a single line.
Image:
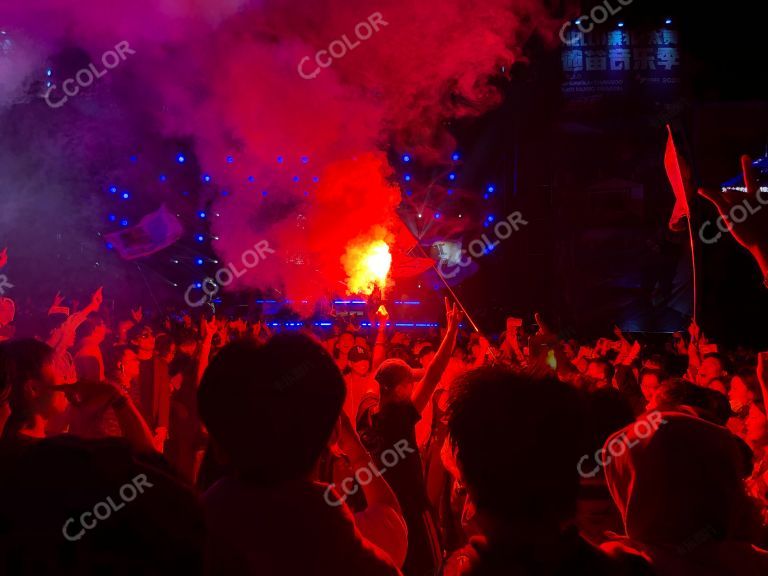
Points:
[(544, 328), (3, 257), (208, 327), (238, 325), (694, 331), (752, 231), (382, 315), (57, 300), (222, 328), (453, 315), (97, 298), (513, 324), (137, 315)]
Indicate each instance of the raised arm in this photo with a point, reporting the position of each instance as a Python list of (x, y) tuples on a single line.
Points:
[(762, 376), (377, 491), (751, 233), (207, 330), (423, 390), (73, 322), (510, 346), (694, 354), (380, 345), (132, 425), (94, 397)]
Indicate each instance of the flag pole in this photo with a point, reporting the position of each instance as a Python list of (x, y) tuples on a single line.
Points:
[(680, 178), (450, 290), (694, 275)]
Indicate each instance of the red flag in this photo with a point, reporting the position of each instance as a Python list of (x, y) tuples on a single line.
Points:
[(154, 232), (679, 175)]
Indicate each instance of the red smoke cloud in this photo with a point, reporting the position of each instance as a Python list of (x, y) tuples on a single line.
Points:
[(225, 75)]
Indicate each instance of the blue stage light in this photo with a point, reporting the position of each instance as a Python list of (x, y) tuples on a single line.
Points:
[(279, 159), (620, 24), (437, 215), (180, 158), (455, 156), (452, 176), (199, 261), (304, 159), (230, 159), (201, 214), (407, 177), (200, 238), (124, 222), (113, 189), (668, 21), (112, 218), (110, 246), (162, 178), (206, 177), (126, 195), (406, 158), (491, 188)]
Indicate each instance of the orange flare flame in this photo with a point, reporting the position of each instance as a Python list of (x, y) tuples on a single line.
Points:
[(367, 262)]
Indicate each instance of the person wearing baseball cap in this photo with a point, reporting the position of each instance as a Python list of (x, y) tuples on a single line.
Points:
[(358, 379), (359, 364), (389, 422)]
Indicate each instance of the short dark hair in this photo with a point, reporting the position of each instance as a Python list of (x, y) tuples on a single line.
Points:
[(426, 349), (271, 408), (22, 360), (164, 522), (518, 440), (708, 404), (114, 356)]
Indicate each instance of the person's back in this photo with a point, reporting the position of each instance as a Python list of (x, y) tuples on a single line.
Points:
[(681, 495), (270, 411), (387, 427), (517, 441), (290, 529)]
